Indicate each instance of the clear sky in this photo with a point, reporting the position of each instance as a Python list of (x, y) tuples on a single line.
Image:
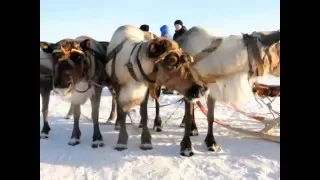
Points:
[(99, 18)]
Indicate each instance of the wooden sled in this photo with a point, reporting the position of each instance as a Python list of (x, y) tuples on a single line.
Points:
[(263, 91)]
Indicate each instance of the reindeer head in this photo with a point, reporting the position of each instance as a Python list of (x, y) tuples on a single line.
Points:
[(69, 63), (173, 68)]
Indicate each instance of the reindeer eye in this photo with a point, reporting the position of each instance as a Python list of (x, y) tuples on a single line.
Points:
[(171, 60)]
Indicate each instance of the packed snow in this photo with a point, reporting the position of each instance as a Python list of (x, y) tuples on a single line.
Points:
[(241, 157)]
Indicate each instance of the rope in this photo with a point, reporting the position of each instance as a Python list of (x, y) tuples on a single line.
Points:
[(164, 105), (240, 130), (169, 118), (259, 118), (96, 84), (165, 122)]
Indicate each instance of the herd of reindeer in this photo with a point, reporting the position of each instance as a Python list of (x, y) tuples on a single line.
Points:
[(136, 64)]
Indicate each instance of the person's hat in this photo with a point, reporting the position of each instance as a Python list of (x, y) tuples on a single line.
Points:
[(178, 22), (144, 27)]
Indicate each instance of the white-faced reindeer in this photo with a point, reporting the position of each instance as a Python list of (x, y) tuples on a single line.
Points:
[(230, 66)]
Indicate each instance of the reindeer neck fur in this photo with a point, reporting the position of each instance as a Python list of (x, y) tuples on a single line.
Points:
[(230, 63), (227, 66)]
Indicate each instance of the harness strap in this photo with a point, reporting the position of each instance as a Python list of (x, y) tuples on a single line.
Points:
[(145, 77), (253, 50), (113, 55), (130, 66), (114, 78)]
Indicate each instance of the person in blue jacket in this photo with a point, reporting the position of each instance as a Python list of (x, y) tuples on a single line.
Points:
[(165, 31)]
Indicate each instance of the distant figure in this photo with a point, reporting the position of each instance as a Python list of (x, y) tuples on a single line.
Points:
[(180, 29), (144, 27), (165, 31)]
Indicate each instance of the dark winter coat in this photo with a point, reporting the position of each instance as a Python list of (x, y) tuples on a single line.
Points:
[(179, 33)]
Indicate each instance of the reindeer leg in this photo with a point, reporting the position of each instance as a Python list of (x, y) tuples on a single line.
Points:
[(117, 123), (144, 110), (69, 114), (210, 140), (76, 133), (186, 109), (45, 95), (113, 114), (145, 135), (186, 145), (115, 109), (97, 140), (123, 134), (157, 119), (194, 128)]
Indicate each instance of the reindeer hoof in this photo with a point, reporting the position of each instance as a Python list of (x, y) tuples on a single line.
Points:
[(187, 153), (181, 125), (44, 136), (74, 142), (110, 122), (157, 128), (214, 148), (194, 132), (117, 127), (120, 147), (146, 146), (96, 144), (112, 119), (67, 117)]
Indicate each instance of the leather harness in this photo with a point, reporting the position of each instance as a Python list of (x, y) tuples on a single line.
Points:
[(255, 60), (129, 65)]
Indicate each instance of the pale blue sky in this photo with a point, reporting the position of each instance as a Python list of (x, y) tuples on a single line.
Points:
[(99, 18)]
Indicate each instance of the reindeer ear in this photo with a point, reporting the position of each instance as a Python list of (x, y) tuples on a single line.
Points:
[(158, 47), (46, 47), (85, 45)]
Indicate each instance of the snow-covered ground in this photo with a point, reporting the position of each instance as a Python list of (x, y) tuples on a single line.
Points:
[(241, 157)]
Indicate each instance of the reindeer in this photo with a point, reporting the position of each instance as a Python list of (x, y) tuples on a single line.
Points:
[(135, 63), (230, 66), (154, 90), (79, 74)]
